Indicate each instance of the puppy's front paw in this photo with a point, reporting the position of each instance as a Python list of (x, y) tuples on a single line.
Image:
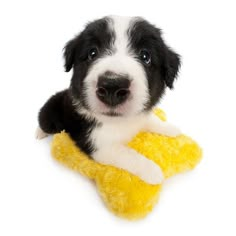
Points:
[(171, 130), (40, 134), (151, 173)]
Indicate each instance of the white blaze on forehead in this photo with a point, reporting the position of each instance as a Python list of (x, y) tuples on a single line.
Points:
[(121, 60), (120, 26)]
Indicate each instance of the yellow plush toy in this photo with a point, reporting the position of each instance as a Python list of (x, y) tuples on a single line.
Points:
[(125, 194)]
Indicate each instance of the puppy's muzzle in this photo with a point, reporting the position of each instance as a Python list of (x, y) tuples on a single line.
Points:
[(113, 91)]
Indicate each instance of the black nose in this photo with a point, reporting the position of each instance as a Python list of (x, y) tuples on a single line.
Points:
[(113, 90)]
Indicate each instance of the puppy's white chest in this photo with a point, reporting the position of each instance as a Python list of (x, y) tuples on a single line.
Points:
[(117, 131)]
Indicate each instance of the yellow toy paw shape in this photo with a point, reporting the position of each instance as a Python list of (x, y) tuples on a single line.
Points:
[(125, 194)]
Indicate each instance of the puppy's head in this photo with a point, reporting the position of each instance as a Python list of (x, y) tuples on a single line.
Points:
[(121, 66)]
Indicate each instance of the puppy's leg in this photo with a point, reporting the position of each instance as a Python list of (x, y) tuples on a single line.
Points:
[(40, 134), (156, 125), (125, 158), (51, 115)]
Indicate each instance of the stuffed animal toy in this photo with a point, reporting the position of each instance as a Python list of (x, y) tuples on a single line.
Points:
[(125, 194)]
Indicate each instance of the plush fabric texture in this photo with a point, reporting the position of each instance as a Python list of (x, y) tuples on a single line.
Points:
[(125, 194)]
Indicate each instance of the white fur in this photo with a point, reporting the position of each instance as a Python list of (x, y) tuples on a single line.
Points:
[(155, 125), (128, 159), (40, 134), (120, 61), (113, 135)]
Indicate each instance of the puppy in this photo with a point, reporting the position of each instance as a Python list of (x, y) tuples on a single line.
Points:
[(121, 68)]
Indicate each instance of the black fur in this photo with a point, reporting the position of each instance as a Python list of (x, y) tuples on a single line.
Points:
[(96, 35), (165, 63), (59, 113)]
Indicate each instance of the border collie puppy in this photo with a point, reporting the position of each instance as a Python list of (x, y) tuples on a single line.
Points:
[(121, 68)]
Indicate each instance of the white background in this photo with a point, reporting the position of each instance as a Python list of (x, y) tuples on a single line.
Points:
[(38, 196)]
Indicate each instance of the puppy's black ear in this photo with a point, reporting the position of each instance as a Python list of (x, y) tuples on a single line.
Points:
[(69, 54), (171, 66)]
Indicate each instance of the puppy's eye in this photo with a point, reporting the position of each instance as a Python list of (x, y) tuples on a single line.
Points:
[(145, 57), (93, 52)]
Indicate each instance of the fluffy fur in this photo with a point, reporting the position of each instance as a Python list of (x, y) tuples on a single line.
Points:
[(123, 193), (102, 119)]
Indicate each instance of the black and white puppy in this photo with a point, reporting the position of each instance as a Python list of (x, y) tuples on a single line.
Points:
[(121, 67)]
